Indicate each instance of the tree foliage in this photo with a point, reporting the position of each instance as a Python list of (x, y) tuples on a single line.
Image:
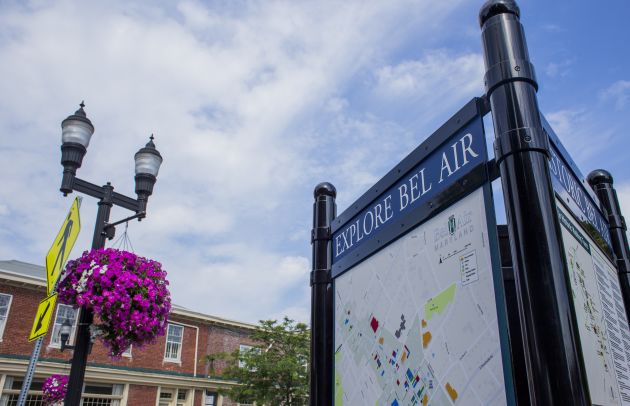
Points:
[(275, 370)]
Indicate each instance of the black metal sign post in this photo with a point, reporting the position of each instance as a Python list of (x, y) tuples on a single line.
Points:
[(602, 183), (324, 211), (552, 354)]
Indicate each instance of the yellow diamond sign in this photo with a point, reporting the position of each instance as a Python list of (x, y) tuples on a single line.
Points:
[(61, 247), (43, 317)]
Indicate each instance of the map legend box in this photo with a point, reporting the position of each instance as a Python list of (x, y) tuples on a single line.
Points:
[(468, 267)]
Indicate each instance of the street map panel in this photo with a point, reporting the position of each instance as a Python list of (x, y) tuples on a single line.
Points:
[(416, 323), (600, 314)]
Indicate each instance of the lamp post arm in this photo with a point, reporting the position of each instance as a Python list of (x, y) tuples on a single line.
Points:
[(126, 202), (90, 189), (98, 192)]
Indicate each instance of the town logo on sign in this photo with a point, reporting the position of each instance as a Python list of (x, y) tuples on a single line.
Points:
[(451, 225), (460, 224)]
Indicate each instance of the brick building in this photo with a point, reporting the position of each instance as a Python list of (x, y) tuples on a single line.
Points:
[(171, 372)]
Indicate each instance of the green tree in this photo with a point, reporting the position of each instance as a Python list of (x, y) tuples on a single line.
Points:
[(273, 372)]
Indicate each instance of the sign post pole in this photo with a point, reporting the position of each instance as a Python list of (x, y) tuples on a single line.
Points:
[(324, 211), (30, 371), (602, 183), (552, 353)]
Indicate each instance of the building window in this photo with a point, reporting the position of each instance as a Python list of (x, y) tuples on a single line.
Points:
[(166, 397), (210, 399), (5, 304), (97, 394), (12, 388), (64, 312), (174, 337), (243, 349), (127, 352), (173, 397), (182, 394), (93, 394)]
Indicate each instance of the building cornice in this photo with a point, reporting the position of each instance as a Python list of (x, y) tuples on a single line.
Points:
[(35, 283), (193, 315), (115, 375), (21, 280)]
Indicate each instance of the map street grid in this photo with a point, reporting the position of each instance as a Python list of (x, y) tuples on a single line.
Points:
[(416, 323), (600, 314)]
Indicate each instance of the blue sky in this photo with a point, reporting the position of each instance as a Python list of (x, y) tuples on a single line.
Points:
[(255, 102)]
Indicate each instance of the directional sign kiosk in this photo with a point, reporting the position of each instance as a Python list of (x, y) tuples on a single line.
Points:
[(595, 287), (418, 298), (408, 300)]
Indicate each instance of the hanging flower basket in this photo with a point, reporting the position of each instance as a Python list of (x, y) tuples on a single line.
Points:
[(55, 388), (128, 293)]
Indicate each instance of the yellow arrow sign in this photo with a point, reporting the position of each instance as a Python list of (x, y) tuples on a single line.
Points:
[(43, 317), (61, 247)]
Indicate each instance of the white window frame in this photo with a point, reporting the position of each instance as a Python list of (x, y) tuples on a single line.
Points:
[(206, 398), (178, 359), (34, 396), (5, 316), (242, 348), (173, 397), (116, 395), (181, 402), (73, 332), (127, 352), (167, 400)]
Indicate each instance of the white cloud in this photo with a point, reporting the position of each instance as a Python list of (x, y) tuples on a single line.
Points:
[(407, 103), (618, 93), (565, 122), (252, 104), (240, 282), (577, 130), (558, 69), (553, 28), (239, 97), (439, 71)]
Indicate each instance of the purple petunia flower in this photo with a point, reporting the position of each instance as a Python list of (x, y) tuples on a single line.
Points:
[(54, 388), (127, 292)]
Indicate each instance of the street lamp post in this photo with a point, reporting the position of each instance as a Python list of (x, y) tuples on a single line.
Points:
[(77, 130), (64, 335)]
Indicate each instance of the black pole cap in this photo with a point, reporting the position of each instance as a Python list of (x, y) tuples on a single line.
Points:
[(599, 176), (494, 7), (325, 189)]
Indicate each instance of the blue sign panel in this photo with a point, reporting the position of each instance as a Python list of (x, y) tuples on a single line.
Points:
[(453, 159), (572, 187)]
